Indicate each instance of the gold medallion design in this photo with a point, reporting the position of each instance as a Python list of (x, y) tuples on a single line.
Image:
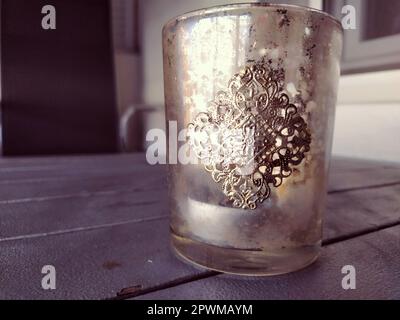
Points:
[(251, 136)]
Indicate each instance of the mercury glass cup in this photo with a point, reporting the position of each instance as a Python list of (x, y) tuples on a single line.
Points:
[(251, 89)]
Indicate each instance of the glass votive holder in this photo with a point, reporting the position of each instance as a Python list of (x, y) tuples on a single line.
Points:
[(251, 89)]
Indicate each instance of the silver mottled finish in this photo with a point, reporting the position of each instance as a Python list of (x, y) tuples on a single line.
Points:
[(298, 52)]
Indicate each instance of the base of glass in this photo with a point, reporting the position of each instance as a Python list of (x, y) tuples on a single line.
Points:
[(244, 262)]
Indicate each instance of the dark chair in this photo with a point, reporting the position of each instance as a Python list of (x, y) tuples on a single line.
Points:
[(58, 93)]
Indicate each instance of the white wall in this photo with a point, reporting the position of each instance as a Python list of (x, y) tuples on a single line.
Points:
[(368, 116), (369, 131)]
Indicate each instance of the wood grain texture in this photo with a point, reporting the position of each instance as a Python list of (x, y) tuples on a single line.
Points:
[(347, 173), (92, 264), (103, 222), (356, 210), (376, 258), (73, 160), (64, 193)]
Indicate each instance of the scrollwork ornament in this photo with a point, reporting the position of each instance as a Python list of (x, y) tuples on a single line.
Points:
[(251, 136)]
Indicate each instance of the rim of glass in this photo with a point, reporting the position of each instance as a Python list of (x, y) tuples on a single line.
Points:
[(235, 6)]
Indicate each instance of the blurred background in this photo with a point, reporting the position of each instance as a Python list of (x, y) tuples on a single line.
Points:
[(95, 83)]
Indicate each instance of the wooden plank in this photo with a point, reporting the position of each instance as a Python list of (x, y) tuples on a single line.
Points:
[(89, 265), (344, 174), (12, 190), (53, 206), (42, 217), (114, 229), (376, 258), (83, 170), (348, 173), (147, 197), (72, 160), (99, 263), (353, 211)]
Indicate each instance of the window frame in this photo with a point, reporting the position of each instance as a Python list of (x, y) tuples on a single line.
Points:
[(361, 55)]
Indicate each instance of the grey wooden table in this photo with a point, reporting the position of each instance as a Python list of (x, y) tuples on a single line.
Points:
[(102, 222)]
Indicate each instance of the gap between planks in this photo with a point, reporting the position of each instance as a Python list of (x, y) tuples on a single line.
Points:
[(376, 186), (82, 194), (81, 229), (65, 178), (209, 274)]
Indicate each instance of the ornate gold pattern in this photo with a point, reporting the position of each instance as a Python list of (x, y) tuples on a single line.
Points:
[(251, 136)]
